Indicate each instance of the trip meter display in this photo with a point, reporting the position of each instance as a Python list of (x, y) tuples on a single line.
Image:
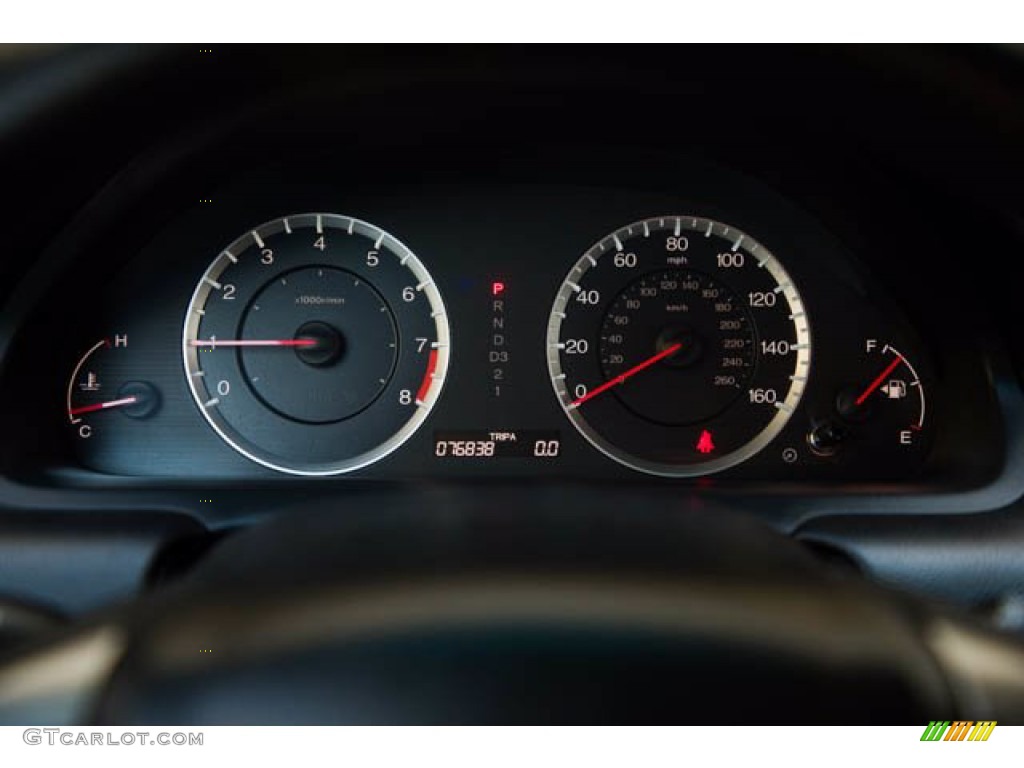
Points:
[(498, 444), (678, 346)]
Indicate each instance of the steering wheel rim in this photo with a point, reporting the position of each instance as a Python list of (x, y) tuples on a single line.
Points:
[(704, 601)]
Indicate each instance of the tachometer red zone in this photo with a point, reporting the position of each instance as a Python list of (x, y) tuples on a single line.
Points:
[(428, 377)]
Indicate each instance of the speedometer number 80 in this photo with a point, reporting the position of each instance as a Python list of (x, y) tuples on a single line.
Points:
[(678, 346)]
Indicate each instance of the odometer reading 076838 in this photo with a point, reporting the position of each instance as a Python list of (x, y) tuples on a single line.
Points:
[(678, 346)]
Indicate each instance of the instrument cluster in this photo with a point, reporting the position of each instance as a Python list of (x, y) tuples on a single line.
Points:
[(353, 324)]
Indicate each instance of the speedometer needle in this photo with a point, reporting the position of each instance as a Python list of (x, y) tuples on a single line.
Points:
[(253, 343), (668, 352), (878, 381)]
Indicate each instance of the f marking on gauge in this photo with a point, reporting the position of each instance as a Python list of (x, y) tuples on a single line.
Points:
[(884, 409), (678, 345), (316, 344)]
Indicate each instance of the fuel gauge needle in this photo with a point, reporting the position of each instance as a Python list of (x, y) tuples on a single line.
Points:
[(878, 381), (103, 406)]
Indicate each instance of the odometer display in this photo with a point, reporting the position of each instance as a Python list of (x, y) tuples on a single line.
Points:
[(678, 346)]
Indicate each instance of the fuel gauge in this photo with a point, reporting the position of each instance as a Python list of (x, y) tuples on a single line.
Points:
[(886, 407), (101, 383)]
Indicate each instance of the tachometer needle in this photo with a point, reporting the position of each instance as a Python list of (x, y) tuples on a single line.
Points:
[(878, 381), (103, 406), (627, 374), (212, 343)]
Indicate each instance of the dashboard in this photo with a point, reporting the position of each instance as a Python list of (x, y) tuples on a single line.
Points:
[(281, 321), (287, 304), (513, 272), (486, 333)]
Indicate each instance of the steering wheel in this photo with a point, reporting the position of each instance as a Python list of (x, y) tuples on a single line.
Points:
[(504, 615)]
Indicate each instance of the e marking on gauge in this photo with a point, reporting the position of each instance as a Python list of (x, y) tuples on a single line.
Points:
[(886, 410)]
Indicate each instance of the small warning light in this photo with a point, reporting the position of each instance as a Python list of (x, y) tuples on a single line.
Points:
[(497, 288), (704, 443)]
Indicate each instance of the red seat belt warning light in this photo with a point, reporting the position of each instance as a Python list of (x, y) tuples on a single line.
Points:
[(705, 444)]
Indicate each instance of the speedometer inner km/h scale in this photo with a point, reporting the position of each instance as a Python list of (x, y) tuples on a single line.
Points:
[(678, 346)]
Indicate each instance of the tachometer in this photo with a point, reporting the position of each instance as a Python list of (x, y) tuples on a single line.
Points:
[(316, 344), (678, 346)]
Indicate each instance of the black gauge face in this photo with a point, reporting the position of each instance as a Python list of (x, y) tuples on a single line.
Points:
[(713, 330), (886, 409), (316, 344), (102, 387), (678, 346)]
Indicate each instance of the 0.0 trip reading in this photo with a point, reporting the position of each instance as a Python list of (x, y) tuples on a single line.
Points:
[(521, 444)]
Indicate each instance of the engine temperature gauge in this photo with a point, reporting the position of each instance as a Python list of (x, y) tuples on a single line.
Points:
[(101, 383), (885, 407)]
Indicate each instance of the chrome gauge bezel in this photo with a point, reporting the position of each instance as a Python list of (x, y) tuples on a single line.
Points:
[(388, 246), (738, 241)]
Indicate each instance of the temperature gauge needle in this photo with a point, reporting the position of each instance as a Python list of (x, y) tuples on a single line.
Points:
[(621, 378), (103, 406), (212, 343), (878, 381)]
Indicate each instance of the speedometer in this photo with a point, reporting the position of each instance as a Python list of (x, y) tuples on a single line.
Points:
[(678, 346)]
